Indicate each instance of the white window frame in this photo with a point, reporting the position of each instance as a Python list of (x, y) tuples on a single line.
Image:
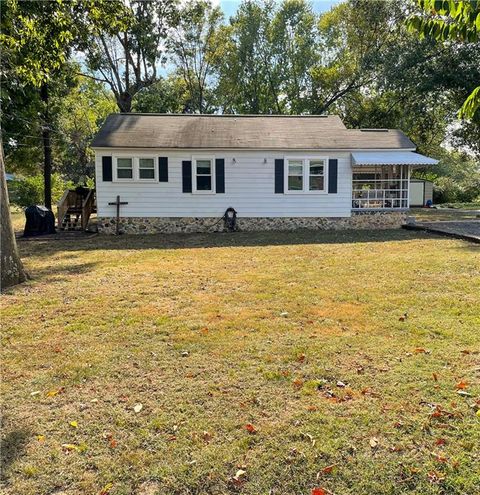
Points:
[(306, 174), (135, 168), (155, 169), (194, 174)]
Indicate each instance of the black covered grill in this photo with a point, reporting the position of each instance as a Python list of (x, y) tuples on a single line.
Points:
[(39, 221)]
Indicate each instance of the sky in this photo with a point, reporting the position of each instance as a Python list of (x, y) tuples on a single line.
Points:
[(229, 7)]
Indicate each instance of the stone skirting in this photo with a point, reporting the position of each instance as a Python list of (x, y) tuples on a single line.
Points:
[(173, 225)]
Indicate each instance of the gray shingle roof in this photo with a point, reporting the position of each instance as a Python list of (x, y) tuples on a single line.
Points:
[(241, 132)]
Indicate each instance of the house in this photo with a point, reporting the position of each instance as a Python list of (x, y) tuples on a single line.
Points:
[(179, 173)]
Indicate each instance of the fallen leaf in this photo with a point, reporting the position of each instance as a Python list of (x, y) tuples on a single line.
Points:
[(298, 383), (106, 489), (435, 377), (52, 393), (440, 441), (461, 385), (41, 438), (239, 474), (421, 350), (250, 428), (207, 436), (138, 407), (478, 413), (69, 446), (328, 469), (73, 424), (374, 442), (301, 358), (319, 491)]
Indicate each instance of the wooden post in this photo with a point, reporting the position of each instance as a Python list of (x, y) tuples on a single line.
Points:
[(117, 203)]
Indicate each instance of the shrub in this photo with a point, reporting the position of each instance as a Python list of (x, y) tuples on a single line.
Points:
[(26, 191)]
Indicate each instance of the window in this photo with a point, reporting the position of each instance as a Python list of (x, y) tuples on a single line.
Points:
[(316, 178), (295, 175), (306, 175), (146, 168), (124, 168), (134, 168), (203, 180)]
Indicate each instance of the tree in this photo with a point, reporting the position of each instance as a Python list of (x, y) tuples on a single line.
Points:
[(248, 77), (167, 95), (80, 114), (194, 47), (451, 21), (127, 57), (37, 38), (12, 271)]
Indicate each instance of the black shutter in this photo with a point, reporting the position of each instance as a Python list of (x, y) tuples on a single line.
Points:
[(332, 175), (279, 172), (220, 175), (163, 169), (107, 168), (187, 176)]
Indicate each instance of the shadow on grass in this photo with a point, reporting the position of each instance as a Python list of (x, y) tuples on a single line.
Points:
[(214, 240), (12, 446)]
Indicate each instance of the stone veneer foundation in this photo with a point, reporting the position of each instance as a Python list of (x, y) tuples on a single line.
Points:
[(173, 225)]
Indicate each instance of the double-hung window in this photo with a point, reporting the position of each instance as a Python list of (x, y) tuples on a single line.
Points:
[(125, 168), (203, 175), (305, 175), (146, 168)]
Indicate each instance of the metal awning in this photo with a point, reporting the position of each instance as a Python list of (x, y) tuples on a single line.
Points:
[(365, 158)]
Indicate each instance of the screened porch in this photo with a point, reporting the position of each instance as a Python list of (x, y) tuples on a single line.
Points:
[(381, 180), (380, 187)]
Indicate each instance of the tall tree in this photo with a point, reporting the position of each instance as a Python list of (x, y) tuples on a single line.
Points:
[(248, 77), (128, 58), (194, 47), (37, 38), (448, 20)]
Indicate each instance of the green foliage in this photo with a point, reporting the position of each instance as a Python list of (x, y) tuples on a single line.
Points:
[(450, 20), (194, 47), (167, 95), (80, 115), (126, 56), (456, 178), (29, 190)]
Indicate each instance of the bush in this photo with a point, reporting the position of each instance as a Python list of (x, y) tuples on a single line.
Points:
[(26, 191)]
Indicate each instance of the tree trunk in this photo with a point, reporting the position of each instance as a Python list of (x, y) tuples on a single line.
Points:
[(47, 148), (124, 102), (11, 266)]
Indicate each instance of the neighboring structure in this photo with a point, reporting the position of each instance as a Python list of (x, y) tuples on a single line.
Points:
[(181, 172), (421, 192)]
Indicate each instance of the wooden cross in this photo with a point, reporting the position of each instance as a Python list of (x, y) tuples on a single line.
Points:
[(118, 203)]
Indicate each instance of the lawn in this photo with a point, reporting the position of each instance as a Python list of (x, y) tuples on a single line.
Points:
[(243, 363)]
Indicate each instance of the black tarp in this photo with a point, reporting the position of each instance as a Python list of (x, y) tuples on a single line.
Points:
[(39, 221)]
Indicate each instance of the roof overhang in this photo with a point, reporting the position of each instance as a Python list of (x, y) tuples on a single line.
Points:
[(369, 158)]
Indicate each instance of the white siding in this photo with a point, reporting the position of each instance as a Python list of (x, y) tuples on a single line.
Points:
[(249, 188)]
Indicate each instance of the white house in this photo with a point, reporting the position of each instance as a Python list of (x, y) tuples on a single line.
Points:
[(179, 173)]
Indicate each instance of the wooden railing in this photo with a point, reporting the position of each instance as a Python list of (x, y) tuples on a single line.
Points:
[(73, 203), (88, 206), (68, 199)]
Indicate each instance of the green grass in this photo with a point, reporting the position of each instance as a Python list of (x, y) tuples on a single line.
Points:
[(441, 214), (213, 332)]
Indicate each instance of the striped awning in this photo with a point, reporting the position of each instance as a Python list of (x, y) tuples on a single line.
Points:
[(365, 158)]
